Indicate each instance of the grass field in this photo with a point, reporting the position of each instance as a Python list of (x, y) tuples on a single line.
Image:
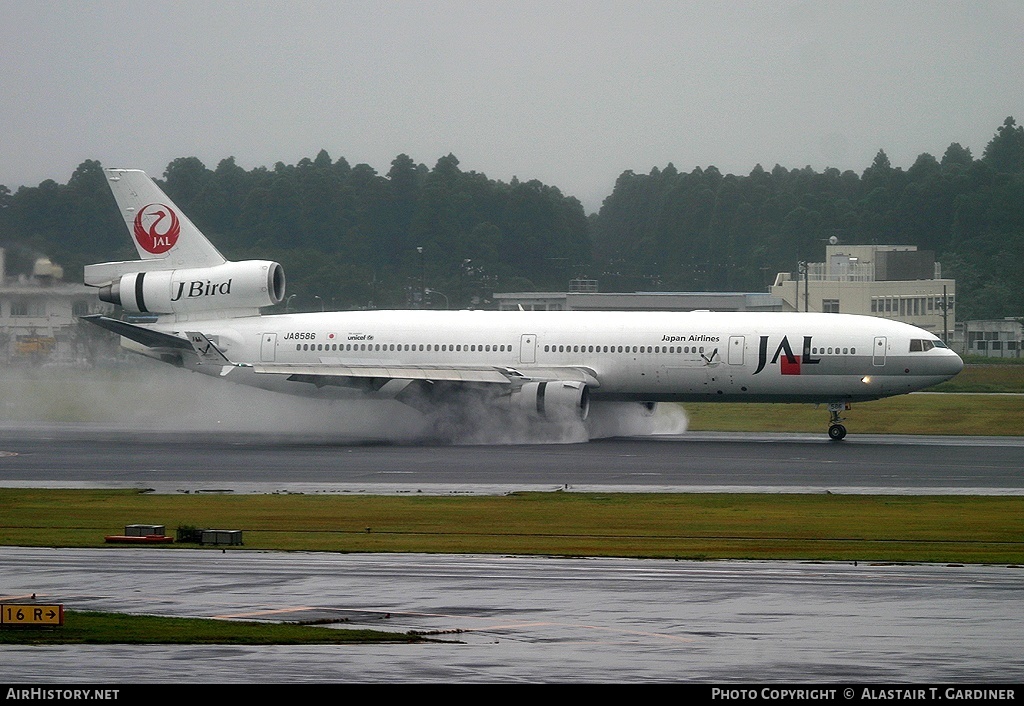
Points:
[(990, 402), (987, 377), (86, 627), (965, 414), (694, 526)]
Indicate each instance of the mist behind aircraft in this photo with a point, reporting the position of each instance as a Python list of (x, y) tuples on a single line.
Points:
[(146, 396)]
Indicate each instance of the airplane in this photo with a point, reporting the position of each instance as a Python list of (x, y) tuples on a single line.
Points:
[(205, 316)]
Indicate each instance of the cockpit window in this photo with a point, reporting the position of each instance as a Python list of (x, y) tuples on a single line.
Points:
[(918, 345)]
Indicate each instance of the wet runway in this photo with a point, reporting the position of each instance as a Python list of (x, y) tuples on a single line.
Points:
[(529, 619), (175, 462), (536, 619)]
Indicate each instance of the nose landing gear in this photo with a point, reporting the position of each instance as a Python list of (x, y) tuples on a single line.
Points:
[(836, 430)]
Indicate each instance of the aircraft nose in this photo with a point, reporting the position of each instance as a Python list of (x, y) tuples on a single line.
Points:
[(954, 364)]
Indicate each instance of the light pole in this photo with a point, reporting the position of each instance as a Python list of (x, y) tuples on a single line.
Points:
[(288, 303), (807, 293), (945, 318), (463, 273), (803, 268), (423, 277), (316, 296)]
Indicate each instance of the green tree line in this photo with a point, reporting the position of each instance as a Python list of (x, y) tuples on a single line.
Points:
[(346, 236), (703, 230), (351, 237)]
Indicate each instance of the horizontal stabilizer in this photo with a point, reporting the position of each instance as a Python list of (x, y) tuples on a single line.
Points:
[(139, 334)]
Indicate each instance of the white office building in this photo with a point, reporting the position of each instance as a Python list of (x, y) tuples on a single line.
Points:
[(891, 281)]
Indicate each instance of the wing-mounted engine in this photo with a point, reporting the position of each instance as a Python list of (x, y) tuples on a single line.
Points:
[(247, 285), (559, 399)]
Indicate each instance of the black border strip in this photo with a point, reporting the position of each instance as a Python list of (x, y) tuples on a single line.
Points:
[(139, 299)]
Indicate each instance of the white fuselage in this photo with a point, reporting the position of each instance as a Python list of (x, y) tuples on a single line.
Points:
[(642, 356)]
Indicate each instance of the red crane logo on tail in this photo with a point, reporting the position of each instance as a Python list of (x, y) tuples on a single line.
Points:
[(157, 228)]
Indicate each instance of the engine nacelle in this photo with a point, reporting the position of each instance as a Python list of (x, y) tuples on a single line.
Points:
[(234, 285), (555, 400)]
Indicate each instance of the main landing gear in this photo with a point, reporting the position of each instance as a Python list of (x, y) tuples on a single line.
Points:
[(836, 430)]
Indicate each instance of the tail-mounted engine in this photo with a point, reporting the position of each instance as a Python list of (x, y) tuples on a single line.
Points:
[(560, 399), (234, 285)]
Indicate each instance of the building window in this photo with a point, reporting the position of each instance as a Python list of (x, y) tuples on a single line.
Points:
[(28, 307), (830, 306)]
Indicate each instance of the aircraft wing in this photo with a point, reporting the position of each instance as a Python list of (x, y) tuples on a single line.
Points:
[(333, 374)]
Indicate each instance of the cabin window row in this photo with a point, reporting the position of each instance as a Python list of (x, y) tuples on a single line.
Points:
[(623, 349), (346, 347), (493, 348)]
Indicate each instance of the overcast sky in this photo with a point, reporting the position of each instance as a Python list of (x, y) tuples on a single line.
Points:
[(570, 93)]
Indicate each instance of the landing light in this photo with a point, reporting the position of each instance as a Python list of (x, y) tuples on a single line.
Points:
[(866, 379)]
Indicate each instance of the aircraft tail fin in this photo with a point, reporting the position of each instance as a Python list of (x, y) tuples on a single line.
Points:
[(164, 236)]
